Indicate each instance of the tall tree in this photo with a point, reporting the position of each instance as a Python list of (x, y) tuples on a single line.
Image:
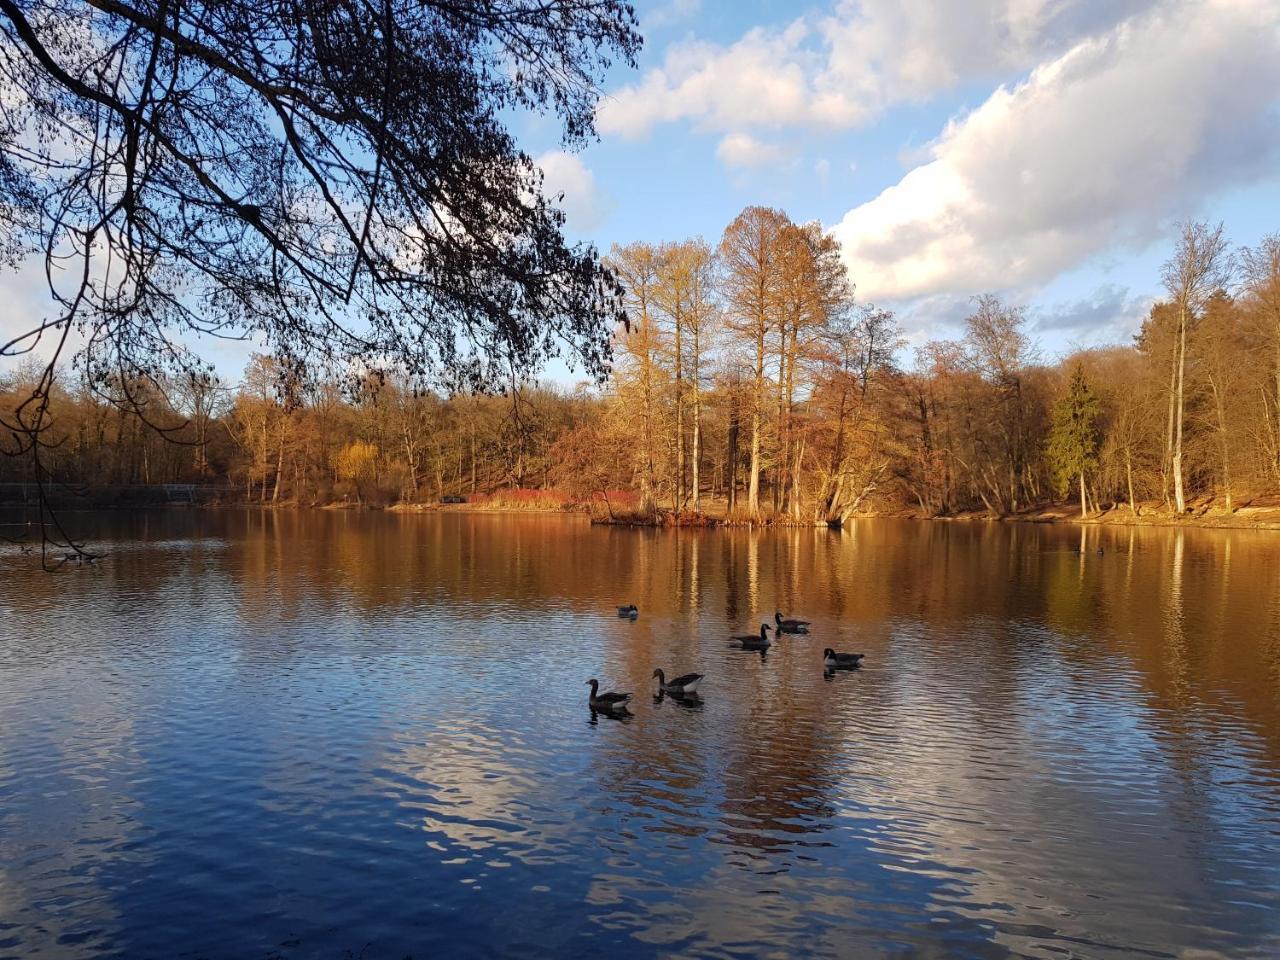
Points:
[(686, 295), (1073, 437), (1224, 361), (751, 252), (636, 265), (1261, 268), (999, 350), (1200, 266)]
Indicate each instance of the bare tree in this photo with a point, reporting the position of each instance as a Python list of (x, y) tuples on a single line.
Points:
[(686, 295), (1261, 269), (202, 398), (751, 253), (999, 352), (1200, 266), (636, 266)]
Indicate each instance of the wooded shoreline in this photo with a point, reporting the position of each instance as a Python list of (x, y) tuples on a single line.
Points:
[(807, 412), (1264, 516)]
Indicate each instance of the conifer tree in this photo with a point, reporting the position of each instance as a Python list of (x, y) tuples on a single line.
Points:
[(1073, 438)]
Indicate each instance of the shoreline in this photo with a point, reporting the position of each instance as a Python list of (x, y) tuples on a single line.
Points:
[(1243, 518), (1270, 520)]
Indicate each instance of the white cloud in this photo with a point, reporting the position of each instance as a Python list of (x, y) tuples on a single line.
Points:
[(585, 205), (1098, 148), (764, 79), (744, 150), (886, 51), (842, 68)]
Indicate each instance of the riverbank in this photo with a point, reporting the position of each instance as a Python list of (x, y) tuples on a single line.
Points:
[(1256, 515), (1261, 513)]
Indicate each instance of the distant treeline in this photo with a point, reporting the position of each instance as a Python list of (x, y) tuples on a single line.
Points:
[(751, 379)]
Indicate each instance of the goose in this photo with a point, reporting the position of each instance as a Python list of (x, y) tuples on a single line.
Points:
[(841, 661), (608, 702), (629, 611), (752, 642), (680, 686), (790, 626)]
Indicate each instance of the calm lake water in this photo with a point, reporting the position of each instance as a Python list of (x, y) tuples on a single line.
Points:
[(308, 734)]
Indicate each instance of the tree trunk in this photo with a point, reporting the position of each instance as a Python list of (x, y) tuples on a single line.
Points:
[(731, 465), (1179, 495), (1167, 460), (697, 451), (796, 482), (753, 479), (411, 462), (782, 454), (473, 456), (681, 490), (275, 492), (1222, 442), (1128, 470), (1084, 499), (757, 402)]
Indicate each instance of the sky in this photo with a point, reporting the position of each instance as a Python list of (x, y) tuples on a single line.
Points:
[(1042, 150)]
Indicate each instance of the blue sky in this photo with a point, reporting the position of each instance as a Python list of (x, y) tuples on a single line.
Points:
[(1040, 149)]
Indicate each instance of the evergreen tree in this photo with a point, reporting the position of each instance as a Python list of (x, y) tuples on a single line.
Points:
[(1073, 438)]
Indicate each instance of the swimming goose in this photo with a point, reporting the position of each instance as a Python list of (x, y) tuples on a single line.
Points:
[(752, 642), (608, 702), (629, 611), (679, 686), (841, 661), (790, 626)]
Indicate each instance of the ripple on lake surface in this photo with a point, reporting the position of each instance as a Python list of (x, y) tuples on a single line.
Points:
[(295, 735)]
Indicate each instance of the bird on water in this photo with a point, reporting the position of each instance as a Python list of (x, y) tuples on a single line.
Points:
[(608, 702), (679, 686), (752, 642), (841, 661), (629, 611), (790, 626)]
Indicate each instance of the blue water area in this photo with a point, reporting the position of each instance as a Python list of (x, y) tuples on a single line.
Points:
[(291, 734)]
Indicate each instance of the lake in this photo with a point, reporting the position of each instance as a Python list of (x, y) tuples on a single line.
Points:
[(256, 734)]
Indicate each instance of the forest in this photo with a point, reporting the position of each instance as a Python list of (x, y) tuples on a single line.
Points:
[(748, 382)]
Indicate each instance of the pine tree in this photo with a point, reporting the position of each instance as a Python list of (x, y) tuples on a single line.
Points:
[(1073, 438)]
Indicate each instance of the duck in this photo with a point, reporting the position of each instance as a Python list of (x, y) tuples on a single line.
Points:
[(629, 611), (841, 661), (679, 686), (790, 626), (752, 642), (607, 702)]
